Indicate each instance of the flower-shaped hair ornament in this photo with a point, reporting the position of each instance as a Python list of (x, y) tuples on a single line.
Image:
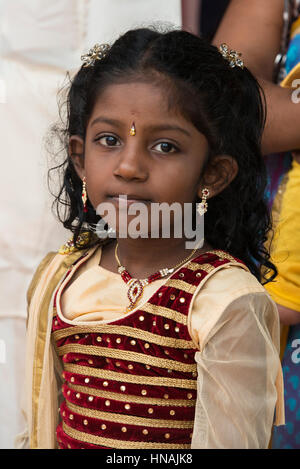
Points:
[(97, 52), (232, 56)]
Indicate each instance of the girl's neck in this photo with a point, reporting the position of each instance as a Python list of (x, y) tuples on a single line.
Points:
[(143, 257)]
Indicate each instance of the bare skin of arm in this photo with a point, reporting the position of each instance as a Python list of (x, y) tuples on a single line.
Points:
[(255, 29), (190, 12)]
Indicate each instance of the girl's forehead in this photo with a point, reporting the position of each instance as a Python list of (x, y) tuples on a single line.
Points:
[(140, 100)]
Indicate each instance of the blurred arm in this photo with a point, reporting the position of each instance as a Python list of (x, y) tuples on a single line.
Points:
[(190, 11), (254, 28)]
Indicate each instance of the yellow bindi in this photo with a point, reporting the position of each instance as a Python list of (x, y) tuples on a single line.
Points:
[(132, 130)]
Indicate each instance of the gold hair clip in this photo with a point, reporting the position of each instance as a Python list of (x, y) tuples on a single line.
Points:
[(97, 52), (232, 56)]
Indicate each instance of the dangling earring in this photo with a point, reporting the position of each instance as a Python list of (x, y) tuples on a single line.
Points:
[(84, 195), (202, 206)]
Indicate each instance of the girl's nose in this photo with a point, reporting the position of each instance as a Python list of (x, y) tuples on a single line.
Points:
[(131, 166)]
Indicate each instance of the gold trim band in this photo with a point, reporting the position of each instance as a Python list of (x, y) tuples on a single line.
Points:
[(129, 378), (128, 356), (125, 331), (206, 267), (131, 399), (129, 419), (165, 312), (181, 285), (118, 444)]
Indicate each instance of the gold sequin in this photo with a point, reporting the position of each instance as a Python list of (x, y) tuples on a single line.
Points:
[(181, 274), (118, 364), (189, 396), (185, 355), (147, 345), (103, 426), (167, 352), (71, 417), (85, 422), (72, 379), (144, 392), (166, 396), (124, 429), (118, 340), (172, 297), (90, 398), (130, 367), (127, 406), (77, 337), (160, 294), (99, 339), (166, 326), (123, 388), (107, 403), (78, 395), (182, 300), (141, 318), (177, 329), (145, 431), (172, 412), (133, 342), (87, 380), (150, 411), (167, 435), (108, 340), (105, 383), (198, 274), (154, 323), (90, 362)]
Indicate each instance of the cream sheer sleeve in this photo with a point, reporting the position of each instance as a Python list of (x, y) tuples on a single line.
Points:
[(238, 368)]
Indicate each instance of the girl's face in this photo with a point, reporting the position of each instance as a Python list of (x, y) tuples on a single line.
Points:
[(162, 162)]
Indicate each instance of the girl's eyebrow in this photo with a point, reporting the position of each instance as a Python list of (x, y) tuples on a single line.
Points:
[(152, 128), (106, 121)]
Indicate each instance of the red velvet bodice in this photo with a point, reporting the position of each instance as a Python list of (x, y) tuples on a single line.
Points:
[(132, 383)]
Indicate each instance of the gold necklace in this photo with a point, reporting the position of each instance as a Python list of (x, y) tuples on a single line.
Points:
[(136, 286)]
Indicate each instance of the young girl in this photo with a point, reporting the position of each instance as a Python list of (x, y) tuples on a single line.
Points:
[(187, 355)]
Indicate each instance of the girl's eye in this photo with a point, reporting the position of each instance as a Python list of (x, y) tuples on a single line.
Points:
[(165, 147), (108, 141)]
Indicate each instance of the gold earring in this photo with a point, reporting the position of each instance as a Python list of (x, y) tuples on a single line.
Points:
[(84, 195), (132, 130), (202, 206)]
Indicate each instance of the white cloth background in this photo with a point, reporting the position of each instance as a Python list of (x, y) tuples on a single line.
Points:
[(39, 42)]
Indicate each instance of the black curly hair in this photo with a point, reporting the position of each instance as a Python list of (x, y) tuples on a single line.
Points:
[(226, 104)]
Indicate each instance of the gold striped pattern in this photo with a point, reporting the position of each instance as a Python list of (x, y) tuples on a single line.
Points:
[(125, 331), (224, 255), (118, 444), (137, 379), (128, 356), (130, 419), (131, 399), (206, 267), (165, 312), (181, 285)]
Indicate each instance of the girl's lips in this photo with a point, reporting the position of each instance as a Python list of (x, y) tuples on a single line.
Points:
[(124, 201)]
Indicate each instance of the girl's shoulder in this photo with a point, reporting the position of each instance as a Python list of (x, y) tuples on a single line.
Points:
[(55, 264), (232, 295)]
